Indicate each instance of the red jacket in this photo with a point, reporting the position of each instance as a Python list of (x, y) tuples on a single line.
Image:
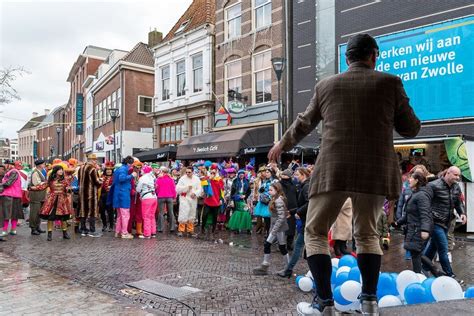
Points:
[(215, 199)]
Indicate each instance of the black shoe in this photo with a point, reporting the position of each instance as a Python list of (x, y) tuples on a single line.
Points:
[(50, 236), (35, 232), (66, 235), (39, 230), (285, 273), (104, 229)]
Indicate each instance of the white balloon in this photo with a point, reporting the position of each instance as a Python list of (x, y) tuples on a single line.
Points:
[(446, 288), (342, 308), (305, 284), (389, 300), (404, 279), (335, 262), (350, 290), (309, 275), (421, 277), (343, 269), (355, 306)]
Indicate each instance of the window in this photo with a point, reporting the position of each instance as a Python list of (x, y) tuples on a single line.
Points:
[(114, 100), (197, 126), (165, 83), (171, 133), (262, 77), (182, 27), (109, 105), (233, 75), (96, 115), (180, 78), (197, 73), (263, 13), (145, 104), (233, 21), (119, 100)]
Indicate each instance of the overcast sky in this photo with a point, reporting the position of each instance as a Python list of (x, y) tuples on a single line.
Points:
[(46, 37)]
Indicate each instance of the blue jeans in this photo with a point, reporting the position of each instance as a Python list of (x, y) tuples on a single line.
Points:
[(439, 243), (298, 249)]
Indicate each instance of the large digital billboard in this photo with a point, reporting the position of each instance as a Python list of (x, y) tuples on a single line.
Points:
[(436, 65)]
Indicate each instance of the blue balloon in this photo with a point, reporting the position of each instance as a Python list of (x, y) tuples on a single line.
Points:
[(207, 163), (341, 278), (298, 280), (427, 285), (338, 296), (333, 275), (469, 292), (386, 285), (415, 293), (354, 274), (348, 260)]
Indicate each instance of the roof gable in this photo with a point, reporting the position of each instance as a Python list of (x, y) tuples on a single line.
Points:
[(200, 12), (34, 122), (140, 54)]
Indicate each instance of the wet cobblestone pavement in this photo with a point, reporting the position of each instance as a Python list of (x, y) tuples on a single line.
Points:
[(95, 272)]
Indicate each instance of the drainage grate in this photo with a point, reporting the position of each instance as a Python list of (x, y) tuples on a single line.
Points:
[(163, 290)]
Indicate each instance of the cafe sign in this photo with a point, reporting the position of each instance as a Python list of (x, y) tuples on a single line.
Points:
[(236, 107), (160, 156), (250, 150), (206, 149)]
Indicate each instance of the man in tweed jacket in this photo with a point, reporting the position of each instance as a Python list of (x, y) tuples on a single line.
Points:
[(359, 109)]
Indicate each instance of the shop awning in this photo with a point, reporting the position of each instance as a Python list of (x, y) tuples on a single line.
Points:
[(158, 154), (227, 143)]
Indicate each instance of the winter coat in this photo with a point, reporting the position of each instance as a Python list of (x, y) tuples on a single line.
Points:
[(146, 186), (443, 200), (121, 188), (417, 218), (236, 188), (278, 219), (165, 187), (342, 227), (89, 184), (187, 204), (303, 200), (291, 194)]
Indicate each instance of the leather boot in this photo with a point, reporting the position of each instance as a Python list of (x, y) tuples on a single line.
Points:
[(50, 236), (139, 229), (261, 270), (66, 235), (39, 230), (35, 232)]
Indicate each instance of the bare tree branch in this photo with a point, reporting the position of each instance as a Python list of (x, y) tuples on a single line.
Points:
[(7, 76)]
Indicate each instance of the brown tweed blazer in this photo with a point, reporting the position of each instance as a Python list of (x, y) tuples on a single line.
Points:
[(88, 191), (359, 108)]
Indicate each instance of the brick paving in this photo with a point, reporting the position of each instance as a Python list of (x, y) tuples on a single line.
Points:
[(100, 269)]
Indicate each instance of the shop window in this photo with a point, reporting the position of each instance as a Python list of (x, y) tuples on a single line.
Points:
[(165, 83), (233, 80), (263, 13), (233, 16), (197, 126), (145, 104), (262, 77), (197, 73), (180, 78)]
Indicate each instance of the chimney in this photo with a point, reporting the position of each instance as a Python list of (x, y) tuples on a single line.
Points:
[(154, 38), (34, 114), (46, 111)]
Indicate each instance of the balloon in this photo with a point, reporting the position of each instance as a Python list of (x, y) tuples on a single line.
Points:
[(335, 262), (421, 277), (309, 275), (446, 288), (354, 274), (305, 284), (415, 294), (389, 300), (386, 285), (427, 285), (343, 308), (350, 290), (348, 260), (404, 279), (469, 292), (341, 278), (333, 275), (298, 279), (343, 269), (355, 306), (339, 298)]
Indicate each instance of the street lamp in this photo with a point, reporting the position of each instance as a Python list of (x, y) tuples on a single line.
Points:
[(58, 131), (279, 64), (113, 115)]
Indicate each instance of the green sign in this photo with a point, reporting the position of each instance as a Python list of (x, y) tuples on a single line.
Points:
[(457, 155), (236, 106)]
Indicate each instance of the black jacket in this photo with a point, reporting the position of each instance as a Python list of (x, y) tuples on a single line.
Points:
[(289, 188), (443, 200), (303, 200), (417, 217)]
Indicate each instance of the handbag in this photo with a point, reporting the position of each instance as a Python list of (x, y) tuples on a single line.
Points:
[(264, 199), (25, 198)]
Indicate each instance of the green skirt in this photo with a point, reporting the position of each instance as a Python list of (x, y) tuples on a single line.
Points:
[(241, 219)]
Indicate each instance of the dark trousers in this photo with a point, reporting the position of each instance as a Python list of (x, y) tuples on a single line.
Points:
[(35, 208), (91, 221), (439, 243), (209, 211), (107, 214), (416, 261)]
